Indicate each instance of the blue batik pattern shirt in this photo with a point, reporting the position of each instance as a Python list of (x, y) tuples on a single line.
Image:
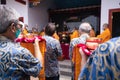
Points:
[(104, 63), (75, 41), (16, 62), (52, 53)]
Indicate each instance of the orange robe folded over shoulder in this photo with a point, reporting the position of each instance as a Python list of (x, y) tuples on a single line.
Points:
[(105, 35)]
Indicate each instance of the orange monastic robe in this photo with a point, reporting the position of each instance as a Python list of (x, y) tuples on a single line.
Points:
[(105, 35), (25, 31), (76, 61), (75, 34), (56, 36)]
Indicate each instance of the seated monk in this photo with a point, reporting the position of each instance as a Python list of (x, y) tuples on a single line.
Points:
[(106, 34)]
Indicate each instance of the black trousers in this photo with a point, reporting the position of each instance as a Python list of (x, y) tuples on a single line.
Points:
[(52, 78)]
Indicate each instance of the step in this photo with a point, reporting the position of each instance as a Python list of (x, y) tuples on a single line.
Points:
[(65, 62), (65, 69), (62, 77), (69, 74)]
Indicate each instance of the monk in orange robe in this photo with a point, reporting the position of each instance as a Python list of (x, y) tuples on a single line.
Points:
[(106, 34), (25, 31), (75, 34), (42, 32)]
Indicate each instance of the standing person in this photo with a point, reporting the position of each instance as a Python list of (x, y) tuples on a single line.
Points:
[(106, 34), (75, 33), (52, 53), (84, 30), (16, 62)]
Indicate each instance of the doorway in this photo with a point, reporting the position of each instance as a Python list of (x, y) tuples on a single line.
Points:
[(114, 21), (116, 24)]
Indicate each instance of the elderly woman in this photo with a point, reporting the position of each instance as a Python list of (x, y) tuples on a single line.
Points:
[(84, 30), (16, 62)]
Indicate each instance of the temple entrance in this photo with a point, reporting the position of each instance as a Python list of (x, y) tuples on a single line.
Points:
[(114, 21), (116, 24)]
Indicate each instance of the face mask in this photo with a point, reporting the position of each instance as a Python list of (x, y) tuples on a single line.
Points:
[(17, 33)]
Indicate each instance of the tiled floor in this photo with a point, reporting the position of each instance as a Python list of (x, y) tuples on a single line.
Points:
[(65, 70), (65, 78)]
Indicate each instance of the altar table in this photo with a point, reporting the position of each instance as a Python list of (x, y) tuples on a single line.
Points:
[(65, 50)]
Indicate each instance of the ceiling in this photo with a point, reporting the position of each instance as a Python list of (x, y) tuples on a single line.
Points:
[(61, 4)]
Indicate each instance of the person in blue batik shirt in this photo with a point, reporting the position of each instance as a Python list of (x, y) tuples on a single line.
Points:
[(52, 53), (104, 63), (16, 62)]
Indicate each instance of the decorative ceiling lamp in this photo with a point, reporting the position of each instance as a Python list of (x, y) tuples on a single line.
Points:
[(34, 2)]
